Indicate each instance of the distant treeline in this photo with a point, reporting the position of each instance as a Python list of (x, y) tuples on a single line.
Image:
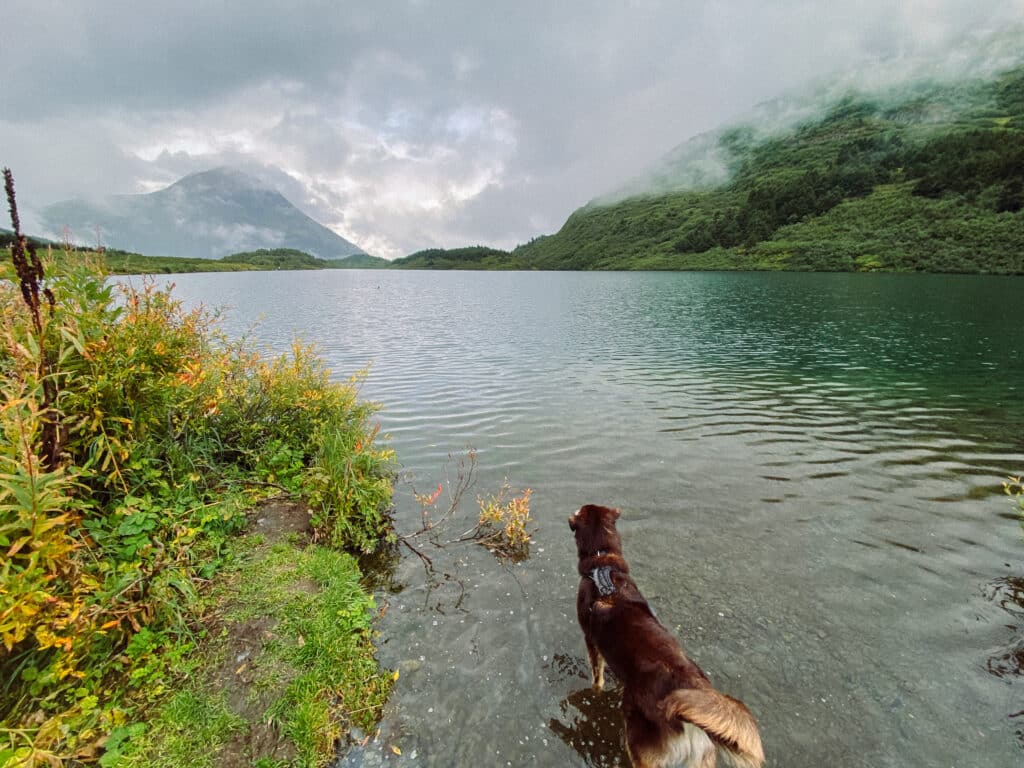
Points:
[(473, 257), (289, 258)]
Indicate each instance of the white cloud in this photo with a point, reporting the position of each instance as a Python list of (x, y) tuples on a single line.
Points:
[(406, 125), (396, 180)]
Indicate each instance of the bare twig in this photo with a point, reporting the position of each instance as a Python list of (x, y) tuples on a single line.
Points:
[(464, 480), (427, 562), (501, 526)]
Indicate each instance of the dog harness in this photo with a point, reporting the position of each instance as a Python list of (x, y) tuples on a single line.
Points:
[(602, 578)]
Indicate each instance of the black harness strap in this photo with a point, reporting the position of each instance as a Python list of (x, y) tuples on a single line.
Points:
[(602, 578)]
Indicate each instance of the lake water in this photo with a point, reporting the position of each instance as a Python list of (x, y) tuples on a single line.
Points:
[(809, 469)]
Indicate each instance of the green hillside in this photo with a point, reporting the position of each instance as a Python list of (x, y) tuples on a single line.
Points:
[(278, 258), (124, 263), (360, 261), (931, 180), (290, 258), (473, 257)]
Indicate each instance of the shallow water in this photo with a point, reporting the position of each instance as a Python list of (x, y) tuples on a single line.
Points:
[(809, 468)]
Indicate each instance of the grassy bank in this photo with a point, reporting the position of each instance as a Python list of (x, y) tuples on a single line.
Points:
[(286, 666), (135, 440), (121, 263), (117, 262)]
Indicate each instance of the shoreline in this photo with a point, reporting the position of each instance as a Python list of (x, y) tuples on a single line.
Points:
[(138, 438)]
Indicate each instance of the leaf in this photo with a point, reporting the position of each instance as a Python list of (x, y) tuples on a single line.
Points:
[(16, 546), (14, 758), (396, 750), (76, 341)]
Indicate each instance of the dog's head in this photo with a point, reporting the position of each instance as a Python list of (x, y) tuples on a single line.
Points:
[(594, 527)]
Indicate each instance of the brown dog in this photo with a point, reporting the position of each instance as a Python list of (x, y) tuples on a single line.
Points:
[(673, 715)]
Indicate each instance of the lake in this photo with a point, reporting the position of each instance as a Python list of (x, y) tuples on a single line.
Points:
[(809, 468)]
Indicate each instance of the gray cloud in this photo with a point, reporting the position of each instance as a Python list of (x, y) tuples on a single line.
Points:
[(409, 124)]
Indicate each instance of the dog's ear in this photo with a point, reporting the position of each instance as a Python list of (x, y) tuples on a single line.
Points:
[(615, 514), (572, 522)]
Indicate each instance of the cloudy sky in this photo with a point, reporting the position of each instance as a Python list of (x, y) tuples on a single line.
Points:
[(405, 124)]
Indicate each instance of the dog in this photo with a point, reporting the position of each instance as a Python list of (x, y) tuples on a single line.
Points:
[(674, 717)]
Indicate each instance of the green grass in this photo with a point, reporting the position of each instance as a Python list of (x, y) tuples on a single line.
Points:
[(314, 677), (192, 729), (325, 638)]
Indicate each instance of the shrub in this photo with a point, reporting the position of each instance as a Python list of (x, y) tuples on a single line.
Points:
[(131, 436), (347, 491), (503, 524)]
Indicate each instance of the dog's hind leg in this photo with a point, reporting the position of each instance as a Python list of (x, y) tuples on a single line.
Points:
[(596, 665)]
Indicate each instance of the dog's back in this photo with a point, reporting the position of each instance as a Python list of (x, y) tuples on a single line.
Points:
[(674, 717)]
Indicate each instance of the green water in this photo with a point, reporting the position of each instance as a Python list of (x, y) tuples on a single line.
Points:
[(809, 468)]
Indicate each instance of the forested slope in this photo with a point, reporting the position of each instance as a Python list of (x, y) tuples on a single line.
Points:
[(933, 181)]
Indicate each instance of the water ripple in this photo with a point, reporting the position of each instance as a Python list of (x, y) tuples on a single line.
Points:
[(809, 468)]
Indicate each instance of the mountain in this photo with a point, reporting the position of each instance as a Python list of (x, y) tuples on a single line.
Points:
[(921, 177), (206, 215)]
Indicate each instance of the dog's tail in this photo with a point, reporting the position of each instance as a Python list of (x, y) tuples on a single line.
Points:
[(726, 720)]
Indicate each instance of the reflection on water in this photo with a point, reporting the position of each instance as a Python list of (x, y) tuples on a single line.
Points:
[(1008, 594), (591, 724), (589, 721), (379, 568), (810, 469)]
